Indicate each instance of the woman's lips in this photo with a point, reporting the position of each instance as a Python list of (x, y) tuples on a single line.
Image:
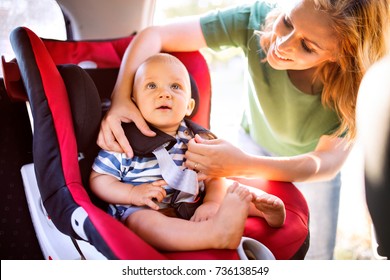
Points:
[(281, 57)]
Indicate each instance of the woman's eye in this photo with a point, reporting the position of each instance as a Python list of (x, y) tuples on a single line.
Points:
[(151, 86), (287, 22), (305, 47)]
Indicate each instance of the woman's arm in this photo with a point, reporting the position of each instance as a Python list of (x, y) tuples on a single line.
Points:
[(185, 35), (218, 158)]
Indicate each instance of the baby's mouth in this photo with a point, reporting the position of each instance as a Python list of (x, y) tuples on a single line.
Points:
[(164, 107)]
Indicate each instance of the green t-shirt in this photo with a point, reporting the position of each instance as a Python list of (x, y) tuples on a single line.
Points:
[(279, 117)]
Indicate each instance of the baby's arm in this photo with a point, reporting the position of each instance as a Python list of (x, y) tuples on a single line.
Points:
[(215, 192), (111, 190)]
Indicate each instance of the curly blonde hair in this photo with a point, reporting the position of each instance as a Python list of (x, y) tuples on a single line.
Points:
[(362, 27)]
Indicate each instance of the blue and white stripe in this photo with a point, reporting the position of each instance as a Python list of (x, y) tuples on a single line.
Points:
[(139, 170)]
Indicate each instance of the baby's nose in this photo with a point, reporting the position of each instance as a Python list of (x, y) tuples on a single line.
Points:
[(165, 94)]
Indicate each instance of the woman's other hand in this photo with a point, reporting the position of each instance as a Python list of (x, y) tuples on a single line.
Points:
[(214, 158)]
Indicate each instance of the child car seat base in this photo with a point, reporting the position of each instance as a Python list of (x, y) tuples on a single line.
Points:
[(54, 244), (251, 249)]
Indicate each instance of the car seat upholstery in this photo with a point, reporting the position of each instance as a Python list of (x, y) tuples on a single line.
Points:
[(373, 122), (66, 103)]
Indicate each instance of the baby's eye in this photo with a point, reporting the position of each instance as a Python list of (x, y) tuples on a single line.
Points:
[(151, 85), (175, 86)]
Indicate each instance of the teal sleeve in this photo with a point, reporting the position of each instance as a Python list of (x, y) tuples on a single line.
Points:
[(233, 27)]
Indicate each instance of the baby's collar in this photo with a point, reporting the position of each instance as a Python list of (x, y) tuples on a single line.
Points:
[(144, 146)]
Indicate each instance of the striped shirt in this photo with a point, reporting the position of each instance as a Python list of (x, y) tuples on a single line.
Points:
[(139, 170)]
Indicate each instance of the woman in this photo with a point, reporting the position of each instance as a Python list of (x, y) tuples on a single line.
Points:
[(305, 64)]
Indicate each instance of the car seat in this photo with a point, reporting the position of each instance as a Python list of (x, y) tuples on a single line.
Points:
[(67, 103), (373, 122)]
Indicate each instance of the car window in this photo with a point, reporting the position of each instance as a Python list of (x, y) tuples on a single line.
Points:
[(44, 17)]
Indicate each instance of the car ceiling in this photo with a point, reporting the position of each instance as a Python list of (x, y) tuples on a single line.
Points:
[(102, 19)]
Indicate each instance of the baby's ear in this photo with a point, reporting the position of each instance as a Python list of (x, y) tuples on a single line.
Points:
[(190, 107)]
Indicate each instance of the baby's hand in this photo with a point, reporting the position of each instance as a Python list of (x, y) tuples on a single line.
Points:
[(146, 194), (205, 211)]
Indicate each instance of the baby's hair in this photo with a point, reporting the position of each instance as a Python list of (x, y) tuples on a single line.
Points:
[(165, 58)]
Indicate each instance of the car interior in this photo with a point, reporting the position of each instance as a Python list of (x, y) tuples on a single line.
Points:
[(53, 95), (67, 85)]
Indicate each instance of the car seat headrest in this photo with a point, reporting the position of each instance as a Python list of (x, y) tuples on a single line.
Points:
[(85, 104), (194, 95)]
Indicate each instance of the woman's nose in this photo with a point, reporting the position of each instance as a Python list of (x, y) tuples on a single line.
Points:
[(286, 43)]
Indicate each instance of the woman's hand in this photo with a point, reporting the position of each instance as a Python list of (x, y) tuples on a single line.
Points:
[(111, 135), (214, 158)]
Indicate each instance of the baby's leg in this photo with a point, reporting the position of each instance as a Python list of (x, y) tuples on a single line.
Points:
[(223, 231)]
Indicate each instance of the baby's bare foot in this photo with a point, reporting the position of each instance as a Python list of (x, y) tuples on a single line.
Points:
[(272, 208), (229, 221)]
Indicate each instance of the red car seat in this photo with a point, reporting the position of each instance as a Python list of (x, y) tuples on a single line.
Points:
[(63, 97)]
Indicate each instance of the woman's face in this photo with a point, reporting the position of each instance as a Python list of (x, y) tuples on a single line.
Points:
[(303, 39)]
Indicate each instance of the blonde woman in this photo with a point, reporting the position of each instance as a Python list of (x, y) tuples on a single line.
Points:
[(305, 62)]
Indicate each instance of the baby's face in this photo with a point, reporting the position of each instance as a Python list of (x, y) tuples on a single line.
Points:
[(162, 92)]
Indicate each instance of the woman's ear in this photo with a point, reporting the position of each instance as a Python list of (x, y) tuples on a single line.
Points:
[(190, 106)]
